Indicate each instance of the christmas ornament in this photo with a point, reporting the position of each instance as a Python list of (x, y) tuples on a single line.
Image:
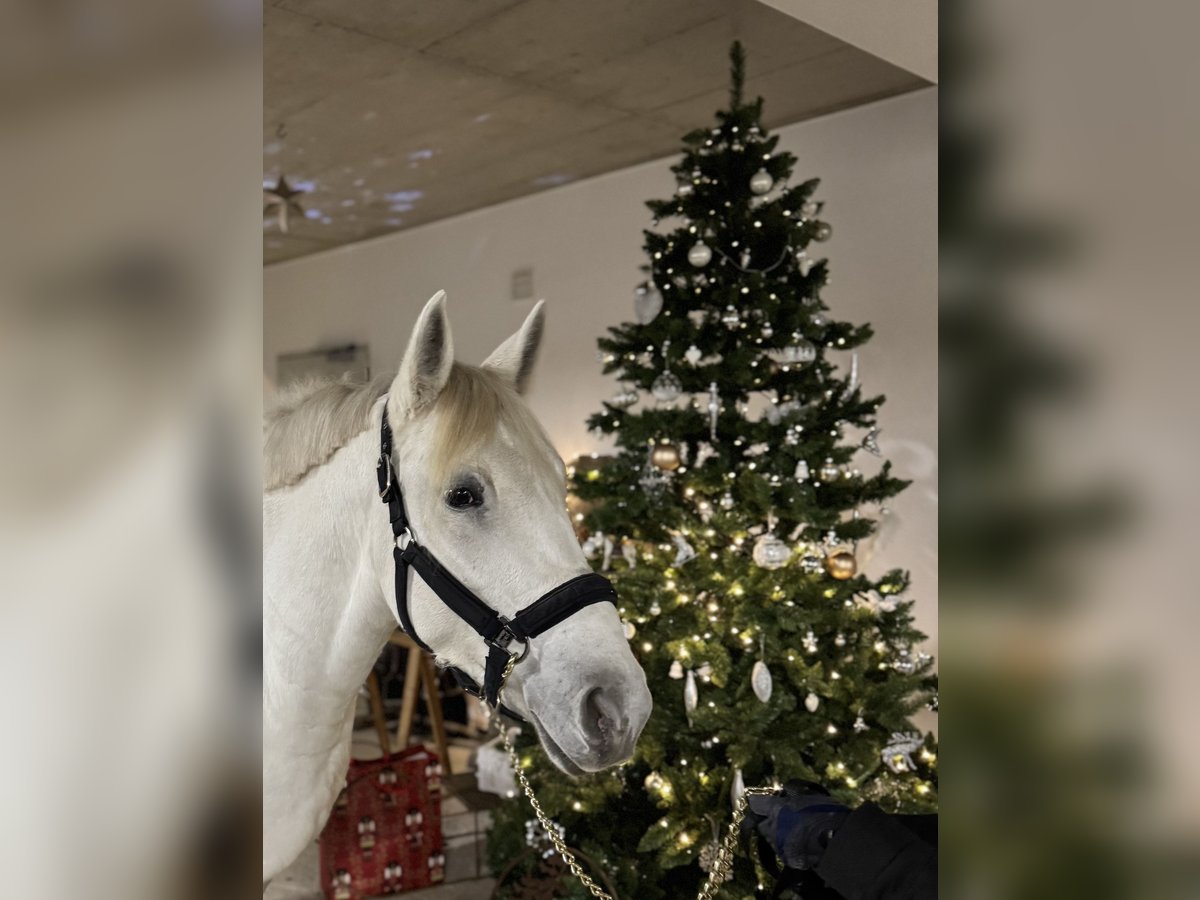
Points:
[(770, 552), (840, 563), (761, 182), (666, 456), (630, 629), (726, 500), (811, 702), (801, 473), (799, 352), (654, 782), (830, 471), (709, 854), (684, 552), (655, 609), (647, 304), (905, 665), (685, 189), (629, 551), (691, 694), (700, 255), (819, 320), (676, 671), (860, 725), (897, 753), (666, 387), (810, 562), (870, 442), (809, 642), (839, 640), (852, 382), (737, 788), (805, 263), (714, 410), (760, 681), (731, 318), (280, 201), (692, 354), (624, 398), (767, 330), (823, 231), (704, 450)]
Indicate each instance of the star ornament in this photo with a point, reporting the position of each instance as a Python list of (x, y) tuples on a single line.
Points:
[(280, 202)]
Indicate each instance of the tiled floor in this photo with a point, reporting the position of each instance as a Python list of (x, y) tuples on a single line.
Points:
[(463, 825)]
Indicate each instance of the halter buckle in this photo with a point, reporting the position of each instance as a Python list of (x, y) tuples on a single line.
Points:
[(504, 640), (404, 538), (383, 475)]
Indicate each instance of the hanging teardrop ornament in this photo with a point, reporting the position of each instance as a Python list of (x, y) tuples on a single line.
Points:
[(691, 694), (760, 680), (811, 702), (737, 789)]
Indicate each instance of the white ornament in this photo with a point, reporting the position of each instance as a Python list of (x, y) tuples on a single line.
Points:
[(811, 702), (897, 755), (810, 642), (805, 263), (630, 629), (692, 354), (799, 352), (666, 387), (714, 410), (737, 789), (802, 472), (860, 725), (700, 255), (684, 552), (761, 182), (647, 304), (756, 449), (624, 398), (629, 551), (852, 382), (676, 669), (691, 694), (770, 552), (760, 680), (704, 452)]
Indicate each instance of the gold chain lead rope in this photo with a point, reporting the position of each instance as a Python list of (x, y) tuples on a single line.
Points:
[(721, 864)]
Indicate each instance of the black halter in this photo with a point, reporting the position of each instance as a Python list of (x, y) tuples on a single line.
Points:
[(497, 631)]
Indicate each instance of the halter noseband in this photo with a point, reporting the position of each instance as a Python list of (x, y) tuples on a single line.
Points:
[(498, 632)]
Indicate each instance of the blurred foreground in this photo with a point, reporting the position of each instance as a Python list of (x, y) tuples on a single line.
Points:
[(130, 386), (130, 316)]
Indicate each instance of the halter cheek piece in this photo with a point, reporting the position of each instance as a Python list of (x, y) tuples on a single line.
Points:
[(498, 632)]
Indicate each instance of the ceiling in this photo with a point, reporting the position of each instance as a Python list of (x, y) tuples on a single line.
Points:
[(397, 113)]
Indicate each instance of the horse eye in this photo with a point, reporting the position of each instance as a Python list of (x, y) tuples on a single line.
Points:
[(464, 497)]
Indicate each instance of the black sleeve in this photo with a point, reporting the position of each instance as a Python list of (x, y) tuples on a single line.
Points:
[(874, 857)]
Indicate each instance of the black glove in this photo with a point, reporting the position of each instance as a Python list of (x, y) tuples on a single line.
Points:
[(796, 822)]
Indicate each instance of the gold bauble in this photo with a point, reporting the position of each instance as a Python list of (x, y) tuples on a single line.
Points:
[(840, 563), (665, 456)]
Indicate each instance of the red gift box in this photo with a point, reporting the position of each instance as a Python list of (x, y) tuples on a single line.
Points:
[(384, 835)]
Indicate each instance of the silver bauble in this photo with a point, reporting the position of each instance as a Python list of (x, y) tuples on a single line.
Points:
[(726, 500), (647, 304), (624, 398), (770, 552), (666, 387), (731, 318), (823, 231), (800, 352), (760, 681), (700, 255), (761, 182)]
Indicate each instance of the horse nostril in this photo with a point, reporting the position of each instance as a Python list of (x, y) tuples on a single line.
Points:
[(600, 714)]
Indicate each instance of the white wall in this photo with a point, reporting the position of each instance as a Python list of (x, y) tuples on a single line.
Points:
[(878, 166)]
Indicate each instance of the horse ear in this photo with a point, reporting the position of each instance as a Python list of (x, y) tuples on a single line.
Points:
[(515, 357), (426, 365)]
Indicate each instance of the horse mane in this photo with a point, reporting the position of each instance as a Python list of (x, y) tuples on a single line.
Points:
[(309, 422)]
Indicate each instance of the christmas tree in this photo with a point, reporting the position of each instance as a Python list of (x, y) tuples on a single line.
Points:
[(732, 521)]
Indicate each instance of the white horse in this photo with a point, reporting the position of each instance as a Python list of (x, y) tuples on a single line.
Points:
[(485, 492)]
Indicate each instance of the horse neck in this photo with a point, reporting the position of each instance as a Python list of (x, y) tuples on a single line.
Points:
[(325, 619)]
